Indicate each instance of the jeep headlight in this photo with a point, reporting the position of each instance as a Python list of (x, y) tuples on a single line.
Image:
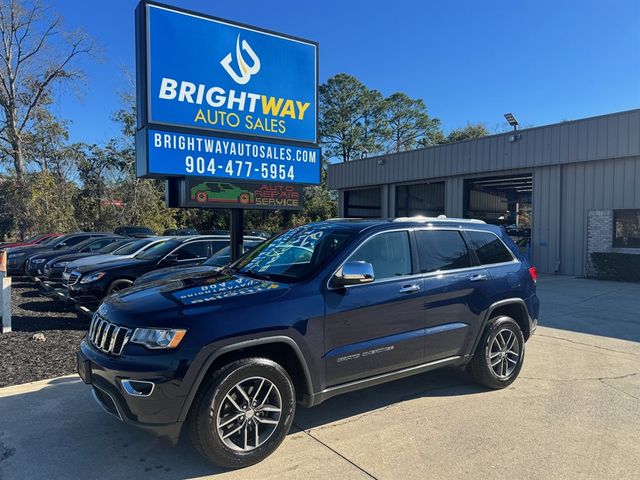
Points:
[(94, 277), (158, 338), (61, 264)]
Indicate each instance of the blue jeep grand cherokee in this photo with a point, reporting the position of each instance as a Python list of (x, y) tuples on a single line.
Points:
[(322, 309)]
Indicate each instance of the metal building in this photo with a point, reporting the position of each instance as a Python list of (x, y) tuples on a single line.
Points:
[(562, 190)]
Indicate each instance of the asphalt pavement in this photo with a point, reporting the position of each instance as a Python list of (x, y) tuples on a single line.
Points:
[(574, 412)]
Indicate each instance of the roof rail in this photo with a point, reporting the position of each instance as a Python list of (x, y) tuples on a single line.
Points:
[(439, 218)]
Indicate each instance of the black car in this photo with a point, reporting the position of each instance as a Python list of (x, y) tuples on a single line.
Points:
[(211, 264), (88, 285), (320, 310), (180, 232), (133, 231), (55, 267), (34, 266), (18, 256)]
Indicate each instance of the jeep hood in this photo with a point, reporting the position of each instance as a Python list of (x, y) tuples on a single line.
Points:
[(186, 297)]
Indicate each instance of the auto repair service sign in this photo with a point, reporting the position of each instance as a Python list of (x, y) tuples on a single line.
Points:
[(210, 74)]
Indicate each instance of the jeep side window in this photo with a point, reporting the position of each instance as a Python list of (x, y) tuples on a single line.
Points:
[(489, 248), (441, 250), (389, 253)]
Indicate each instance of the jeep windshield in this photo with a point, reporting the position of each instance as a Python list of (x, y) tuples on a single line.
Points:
[(294, 255)]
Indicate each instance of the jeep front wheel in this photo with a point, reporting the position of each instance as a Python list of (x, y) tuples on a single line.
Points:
[(499, 355), (243, 412)]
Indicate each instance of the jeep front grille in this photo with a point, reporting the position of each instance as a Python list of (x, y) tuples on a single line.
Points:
[(108, 337), (73, 278)]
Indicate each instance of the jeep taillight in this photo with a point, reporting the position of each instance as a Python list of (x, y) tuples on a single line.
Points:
[(534, 274)]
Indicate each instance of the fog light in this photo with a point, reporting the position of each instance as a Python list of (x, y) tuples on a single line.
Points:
[(137, 388)]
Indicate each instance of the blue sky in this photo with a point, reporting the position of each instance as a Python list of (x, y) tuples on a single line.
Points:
[(469, 60)]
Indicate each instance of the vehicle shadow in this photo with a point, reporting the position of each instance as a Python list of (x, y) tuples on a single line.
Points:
[(44, 305), (31, 294), (34, 422), (449, 382), (23, 323)]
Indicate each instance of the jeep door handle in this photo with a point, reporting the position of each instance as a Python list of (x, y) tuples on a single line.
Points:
[(409, 288), (479, 277)]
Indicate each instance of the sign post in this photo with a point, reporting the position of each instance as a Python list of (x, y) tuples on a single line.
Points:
[(227, 113), (237, 232), (5, 294)]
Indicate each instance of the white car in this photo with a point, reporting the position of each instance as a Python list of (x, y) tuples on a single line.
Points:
[(129, 250)]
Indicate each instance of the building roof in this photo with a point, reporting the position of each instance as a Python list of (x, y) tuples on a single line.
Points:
[(613, 135)]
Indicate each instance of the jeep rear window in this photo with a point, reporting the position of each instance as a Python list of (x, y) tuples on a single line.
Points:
[(296, 254), (489, 248), (440, 250)]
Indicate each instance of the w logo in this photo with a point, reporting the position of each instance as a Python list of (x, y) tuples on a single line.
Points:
[(246, 71)]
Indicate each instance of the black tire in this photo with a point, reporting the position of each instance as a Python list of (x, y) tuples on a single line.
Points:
[(203, 422), (118, 285), (504, 373)]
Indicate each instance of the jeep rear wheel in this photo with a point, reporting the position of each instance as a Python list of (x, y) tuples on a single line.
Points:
[(243, 412), (499, 355)]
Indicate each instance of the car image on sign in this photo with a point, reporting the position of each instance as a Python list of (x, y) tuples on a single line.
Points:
[(221, 192)]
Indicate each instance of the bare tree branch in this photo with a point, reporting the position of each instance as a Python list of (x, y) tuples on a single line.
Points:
[(35, 56)]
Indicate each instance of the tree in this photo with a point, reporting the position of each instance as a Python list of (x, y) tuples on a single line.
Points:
[(472, 130), (319, 202), (35, 55), (352, 120), (409, 123)]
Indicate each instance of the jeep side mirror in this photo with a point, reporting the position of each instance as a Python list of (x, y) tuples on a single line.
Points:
[(353, 273), (59, 246)]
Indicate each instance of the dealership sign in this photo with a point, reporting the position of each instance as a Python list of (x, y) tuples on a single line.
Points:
[(181, 154), (211, 74), (223, 100)]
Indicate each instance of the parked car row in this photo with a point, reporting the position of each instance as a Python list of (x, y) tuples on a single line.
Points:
[(85, 267)]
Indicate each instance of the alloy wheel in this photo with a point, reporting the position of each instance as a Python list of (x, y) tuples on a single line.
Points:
[(249, 414), (504, 353)]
